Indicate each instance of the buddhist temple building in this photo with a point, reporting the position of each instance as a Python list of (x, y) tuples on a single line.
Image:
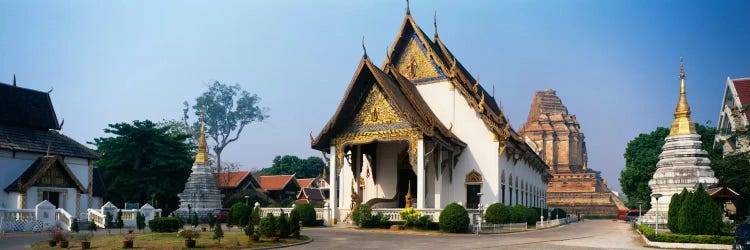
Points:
[(421, 130), (201, 193), (235, 185), (555, 134), (682, 163), (280, 187), (37, 161), (733, 116)]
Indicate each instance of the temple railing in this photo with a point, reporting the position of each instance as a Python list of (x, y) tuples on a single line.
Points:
[(392, 213), (320, 213), (28, 214), (97, 217), (64, 218), (498, 228)]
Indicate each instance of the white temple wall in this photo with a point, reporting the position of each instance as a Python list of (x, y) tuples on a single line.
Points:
[(429, 184), (480, 153), (345, 184)]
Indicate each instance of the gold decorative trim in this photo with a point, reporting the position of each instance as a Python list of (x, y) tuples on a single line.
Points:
[(411, 135)]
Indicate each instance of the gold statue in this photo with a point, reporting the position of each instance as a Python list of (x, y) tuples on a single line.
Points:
[(408, 197)]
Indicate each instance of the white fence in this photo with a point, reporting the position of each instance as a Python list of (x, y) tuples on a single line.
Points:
[(320, 213), (19, 220), (499, 228), (129, 220), (554, 223), (392, 213)]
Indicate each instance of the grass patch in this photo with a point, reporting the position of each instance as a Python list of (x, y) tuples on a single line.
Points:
[(231, 240)]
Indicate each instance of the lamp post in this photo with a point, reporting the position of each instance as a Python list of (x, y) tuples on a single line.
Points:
[(246, 197), (479, 224), (541, 211), (656, 224)]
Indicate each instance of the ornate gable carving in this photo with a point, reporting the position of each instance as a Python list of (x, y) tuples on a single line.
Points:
[(474, 177), (54, 176), (376, 110), (415, 65)]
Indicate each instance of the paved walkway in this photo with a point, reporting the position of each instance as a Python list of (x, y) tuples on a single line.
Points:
[(591, 234)]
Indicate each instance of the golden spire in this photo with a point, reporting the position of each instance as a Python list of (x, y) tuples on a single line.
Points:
[(202, 155), (682, 125)]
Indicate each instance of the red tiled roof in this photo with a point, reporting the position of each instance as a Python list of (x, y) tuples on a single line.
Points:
[(305, 183), (230, 179), (275, 182), (743, 90)]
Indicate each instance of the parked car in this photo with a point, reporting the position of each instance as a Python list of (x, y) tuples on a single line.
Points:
[(631, 216), (742, 236), (221, 214)]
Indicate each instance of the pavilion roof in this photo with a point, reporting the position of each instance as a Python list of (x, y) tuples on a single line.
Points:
[(306, 182), (26, 108), (277, 182), (231, 179), (37, 170)]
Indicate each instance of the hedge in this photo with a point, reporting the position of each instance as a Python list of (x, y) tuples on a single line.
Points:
[(497, 214), (165, 224), (684, 238)]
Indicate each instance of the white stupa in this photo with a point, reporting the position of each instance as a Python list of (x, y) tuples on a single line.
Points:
[(201, 194), (682, 163)]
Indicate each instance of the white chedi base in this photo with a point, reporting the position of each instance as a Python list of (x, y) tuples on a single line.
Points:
[(200, 193), (682, 165)]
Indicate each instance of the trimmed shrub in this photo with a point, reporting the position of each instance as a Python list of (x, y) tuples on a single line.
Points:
[(497, 214), (211, 220), (518, 214), (454, 218), (255, 216), (283, 225), (140, 221), (238, 214), (362, 215), (410, 216), (218, 233), (74, 226), (294, 226), (674, 210), (306, 214), (119, 223), (684, 238), (558, 214), (195, 220), (699, 214), (267, 226), (165, 224)]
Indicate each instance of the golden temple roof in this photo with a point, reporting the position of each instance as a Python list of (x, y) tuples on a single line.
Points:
[(682, 124)]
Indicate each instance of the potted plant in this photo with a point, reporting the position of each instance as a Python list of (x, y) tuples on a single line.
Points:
[(190, 235), (64, 241), (85, 239), (127, 241), (56, 234)]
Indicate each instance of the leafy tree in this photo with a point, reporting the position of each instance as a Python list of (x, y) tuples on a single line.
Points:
[(229, 109), (641, 156), (268, 226), (674, 210), (143, 158), (733, 172), (290, 164), (598, 173)]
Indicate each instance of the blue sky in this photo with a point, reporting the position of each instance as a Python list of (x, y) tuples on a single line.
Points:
[(615, 64)]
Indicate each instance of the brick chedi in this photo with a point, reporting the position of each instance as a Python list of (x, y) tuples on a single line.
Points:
[(556, 136)]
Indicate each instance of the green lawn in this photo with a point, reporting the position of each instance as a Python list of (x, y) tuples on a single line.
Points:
[(231, 240)]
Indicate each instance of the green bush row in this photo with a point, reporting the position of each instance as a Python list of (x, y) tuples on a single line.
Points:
[(683, 238), (499, 213), (694, 213), (165, 224)]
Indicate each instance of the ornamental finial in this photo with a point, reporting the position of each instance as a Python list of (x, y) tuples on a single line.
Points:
[(363, 47), (407, 8), (434, 22), (388, 55), (682, 68), (14, 80)]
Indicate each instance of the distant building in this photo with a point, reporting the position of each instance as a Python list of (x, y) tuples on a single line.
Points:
[(732, 116), (280, 187), (556, 136), (310, 195), (235, 185), (38, 162)]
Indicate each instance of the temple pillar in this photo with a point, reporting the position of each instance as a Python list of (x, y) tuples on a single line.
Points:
[(420, 175), (333, 193), (439, 178)]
